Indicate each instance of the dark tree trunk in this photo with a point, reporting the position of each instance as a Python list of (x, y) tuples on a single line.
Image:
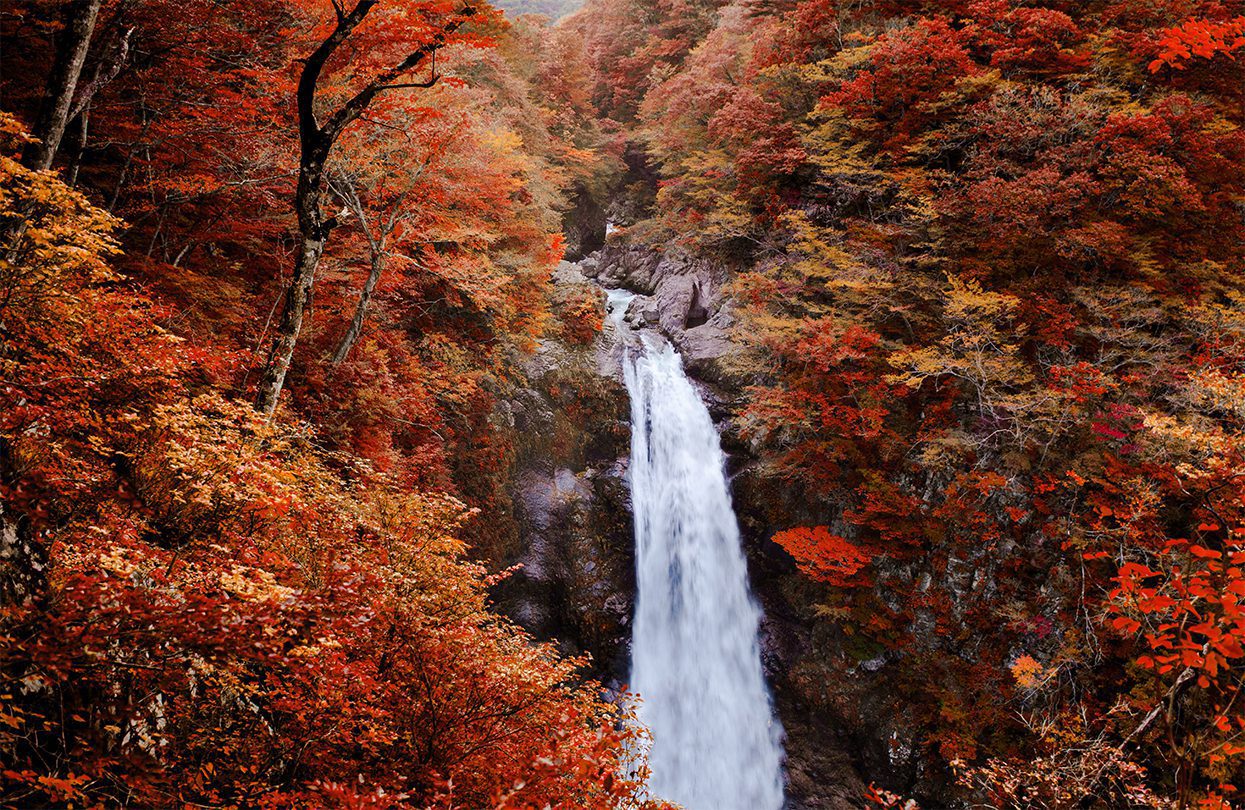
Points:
[(80, 112), (54, 112), (78, 147), (23, 559), (314, 236)]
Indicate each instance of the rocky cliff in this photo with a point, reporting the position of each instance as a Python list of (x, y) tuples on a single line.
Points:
[(575, 581)]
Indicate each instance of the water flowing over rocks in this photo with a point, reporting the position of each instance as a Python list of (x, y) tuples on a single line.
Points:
[(680, 297), (573, 507), (695, 658)]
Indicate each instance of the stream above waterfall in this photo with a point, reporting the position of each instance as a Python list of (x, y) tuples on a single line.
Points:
[(695, 654)]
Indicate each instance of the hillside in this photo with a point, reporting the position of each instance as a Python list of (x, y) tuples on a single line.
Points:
[(553, 9)]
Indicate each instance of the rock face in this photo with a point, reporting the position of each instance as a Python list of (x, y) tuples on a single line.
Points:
[(585, 226), (680, 297), (571, 501)]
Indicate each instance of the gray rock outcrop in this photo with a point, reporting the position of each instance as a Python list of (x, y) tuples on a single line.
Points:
[(681, 298)]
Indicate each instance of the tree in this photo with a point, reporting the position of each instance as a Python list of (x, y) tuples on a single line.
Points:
[(823, 556), (316, 142), (1200, 39), (199, 604), (377, 232), (53, 267), (993, 340)]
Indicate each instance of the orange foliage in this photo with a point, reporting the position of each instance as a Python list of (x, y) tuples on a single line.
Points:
[(202, 606), (988, 272), (1199, 39)]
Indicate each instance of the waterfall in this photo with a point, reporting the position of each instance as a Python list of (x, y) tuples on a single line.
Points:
[(695, 658)]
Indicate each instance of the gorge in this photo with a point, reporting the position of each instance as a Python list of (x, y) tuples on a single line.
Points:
[(392, 389), (698, 668)]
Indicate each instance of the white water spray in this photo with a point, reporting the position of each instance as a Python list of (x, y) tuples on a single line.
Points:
[(695, 659)]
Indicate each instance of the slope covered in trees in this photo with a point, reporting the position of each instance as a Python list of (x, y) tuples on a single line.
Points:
[(208, 603), (988, 258), (553, 9)]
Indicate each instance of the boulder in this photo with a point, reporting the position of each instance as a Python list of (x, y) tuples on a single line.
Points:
[(643, 313), (632, 268), (590, 266), (703, 349), (568, 273), (674, 298)]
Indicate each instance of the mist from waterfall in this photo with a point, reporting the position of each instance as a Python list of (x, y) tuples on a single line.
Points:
[(695, 658)]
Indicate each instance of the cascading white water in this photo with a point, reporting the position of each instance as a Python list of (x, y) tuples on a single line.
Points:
[(695, 659)]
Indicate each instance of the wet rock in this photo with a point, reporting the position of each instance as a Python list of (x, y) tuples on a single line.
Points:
[(642, 313), (680, 297), (529, 412), (674, 297), (570, 498), (706, 348)]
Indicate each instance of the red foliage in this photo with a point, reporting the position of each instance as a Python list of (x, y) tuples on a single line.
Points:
[(906, 72), (1199, 39), (825, 557), (1031, 40), (833, 415), (200, 606), (991, 291)]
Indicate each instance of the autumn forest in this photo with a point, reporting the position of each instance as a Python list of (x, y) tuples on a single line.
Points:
[(322, 337)]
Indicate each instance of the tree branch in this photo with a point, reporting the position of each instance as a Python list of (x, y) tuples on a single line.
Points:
[(102, 77), (309, 128), (355, 107)]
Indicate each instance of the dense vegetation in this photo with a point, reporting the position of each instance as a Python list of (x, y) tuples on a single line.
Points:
[(205, 606), (267, 268), (553, 9), (989, 258)]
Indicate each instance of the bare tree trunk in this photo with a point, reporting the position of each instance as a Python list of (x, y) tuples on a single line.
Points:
[(377, 241), (78, 147), (316, 142), (80, 111), (54, 112), (360, 311), (314, 236)]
